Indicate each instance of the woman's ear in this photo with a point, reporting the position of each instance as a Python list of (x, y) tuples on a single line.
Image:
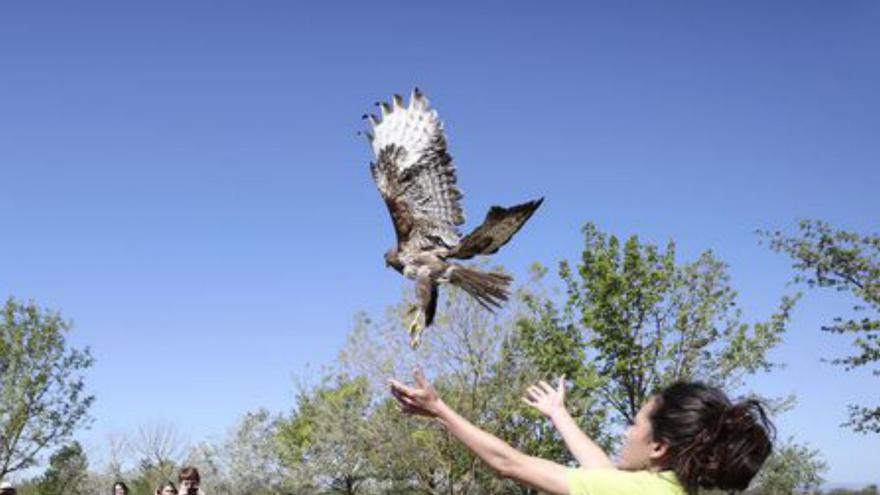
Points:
[(659, 449)]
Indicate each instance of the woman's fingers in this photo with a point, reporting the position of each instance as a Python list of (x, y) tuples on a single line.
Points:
[(408, 409), (397, 394), (407, 402), (402, 396), (414, 398), (420, 378), (535, 392), (408, 405), (546, 387), (396, 385)]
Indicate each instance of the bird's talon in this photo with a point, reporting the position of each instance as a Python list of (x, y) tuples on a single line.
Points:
[(415, 333)]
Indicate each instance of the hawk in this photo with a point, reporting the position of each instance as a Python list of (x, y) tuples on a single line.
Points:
[(416, 178)]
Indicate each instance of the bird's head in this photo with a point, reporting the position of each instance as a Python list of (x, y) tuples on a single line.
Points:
[(392, 259)]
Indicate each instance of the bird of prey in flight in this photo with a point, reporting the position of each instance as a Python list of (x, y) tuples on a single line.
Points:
[(416, 177)]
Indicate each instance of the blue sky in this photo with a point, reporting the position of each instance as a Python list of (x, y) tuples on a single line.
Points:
[(183, 179)]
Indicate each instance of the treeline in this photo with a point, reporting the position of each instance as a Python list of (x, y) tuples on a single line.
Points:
[(868, 490), (630, 317)]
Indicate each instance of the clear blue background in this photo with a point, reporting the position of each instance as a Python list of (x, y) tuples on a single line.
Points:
[(184, 179)]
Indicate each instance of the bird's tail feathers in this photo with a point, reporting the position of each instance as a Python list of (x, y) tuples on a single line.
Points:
[(490, 289)]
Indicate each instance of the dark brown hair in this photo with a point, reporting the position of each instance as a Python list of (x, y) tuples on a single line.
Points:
[(713, 443), (189, 473), (165, 485), (120, 484)]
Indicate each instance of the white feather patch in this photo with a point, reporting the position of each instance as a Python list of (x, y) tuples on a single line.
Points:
[(413, 128)]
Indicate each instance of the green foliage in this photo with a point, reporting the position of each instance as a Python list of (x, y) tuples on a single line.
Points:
[(868, 490), (632, 320), (327, 438), (67, 473), (42, 393), (251, 455), (636, 320), (646, 321), (149, 475), (792, 468), (471, 359), (543, 346), (825, 257)]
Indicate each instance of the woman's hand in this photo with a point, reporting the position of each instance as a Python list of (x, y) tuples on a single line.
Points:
[(545, 398), (421, 400), (544, 475)]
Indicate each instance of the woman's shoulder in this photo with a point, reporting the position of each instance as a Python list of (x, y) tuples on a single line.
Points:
[(615, 481)]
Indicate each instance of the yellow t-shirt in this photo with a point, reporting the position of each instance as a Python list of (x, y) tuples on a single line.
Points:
[(616, 482)]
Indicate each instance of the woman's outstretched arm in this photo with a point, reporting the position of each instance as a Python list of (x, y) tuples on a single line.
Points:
[(551, 402), (539, 473)]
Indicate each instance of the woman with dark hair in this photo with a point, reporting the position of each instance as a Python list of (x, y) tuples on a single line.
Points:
[(120, 488), (167, 488), (686, 437)]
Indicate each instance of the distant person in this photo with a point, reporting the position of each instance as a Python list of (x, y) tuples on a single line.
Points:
[(167, 488), (685, 438), (189, 481), (120, 488), (6, 488)]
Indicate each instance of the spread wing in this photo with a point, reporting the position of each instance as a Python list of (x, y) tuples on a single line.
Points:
[(498, 227), (415, 174)]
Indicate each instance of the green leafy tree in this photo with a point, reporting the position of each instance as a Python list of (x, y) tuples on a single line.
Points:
[(541, 347), (868, 490), (636, 319), (67, 473), (631, 319), (42, 393), (848, 262), (148, 475), (793, 468), (327, 439), (640, 320), (214, 464), (468, 354), (249, 455)]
